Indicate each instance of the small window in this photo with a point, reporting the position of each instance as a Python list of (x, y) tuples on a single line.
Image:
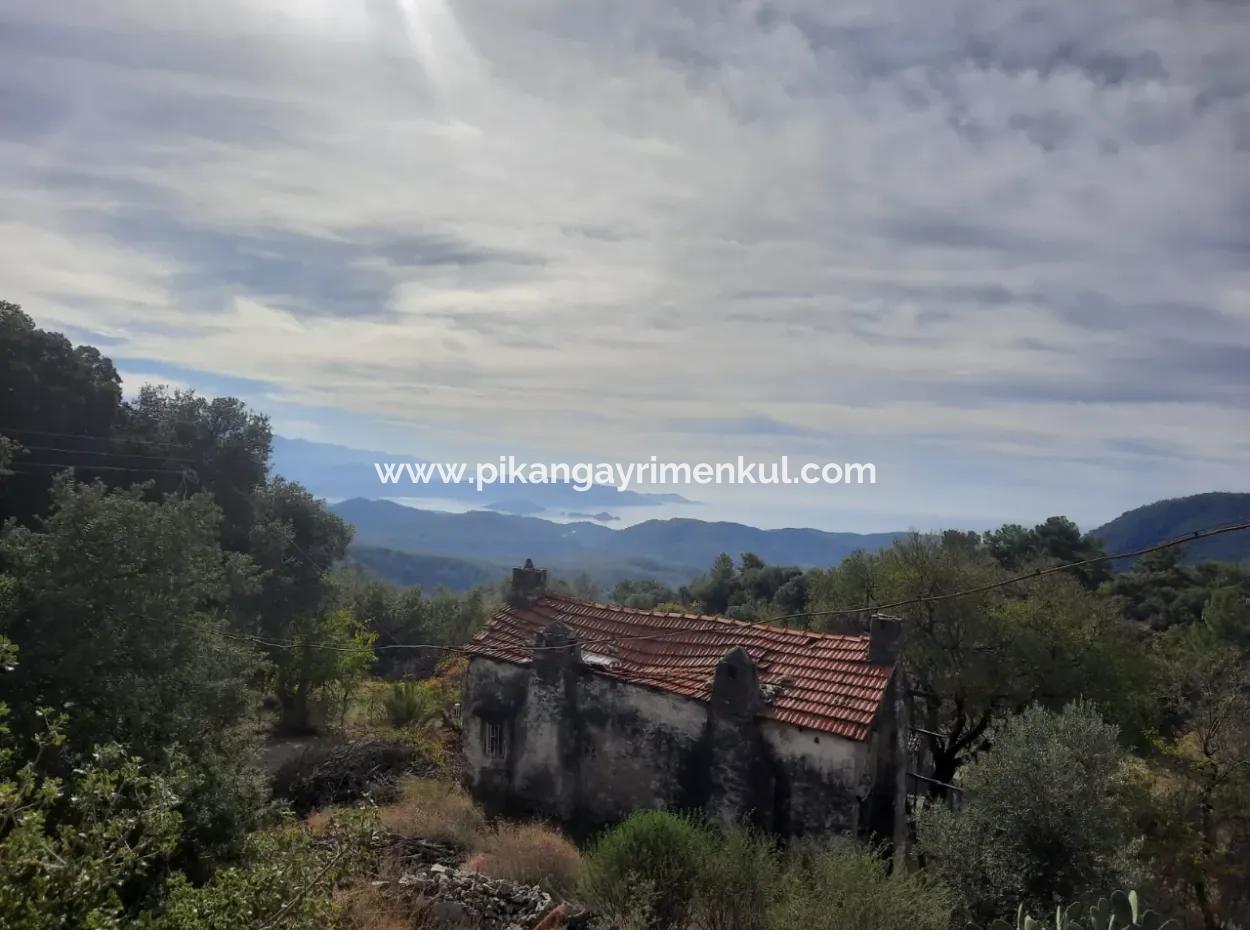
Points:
[(492, 738)]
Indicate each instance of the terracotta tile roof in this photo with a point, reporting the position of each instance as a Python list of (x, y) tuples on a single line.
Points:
[(821, 681)]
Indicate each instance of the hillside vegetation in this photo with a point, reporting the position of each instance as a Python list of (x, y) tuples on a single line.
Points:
[(1169, 519)]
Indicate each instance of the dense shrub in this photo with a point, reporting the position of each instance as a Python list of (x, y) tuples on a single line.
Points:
[(115, 602), (414, 703), (71, 851), (651, 856), (286, 881), (663, 870), (849, 887), (739, 879), (1042, 822), (435, 810)]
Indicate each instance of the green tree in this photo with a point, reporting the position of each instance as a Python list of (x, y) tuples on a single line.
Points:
[(1161, 592), (71, 848), (752, 591), (712, 591), (980, 657), (117, 604), (51, 386), (218, 444), (642, 594), (1043, 820), (857, 582), (294, 540), (1058, 540), (1199, 784), (328, 659)]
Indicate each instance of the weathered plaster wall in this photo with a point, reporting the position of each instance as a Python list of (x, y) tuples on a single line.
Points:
[(588, 749), (821, 779), (587, 754)]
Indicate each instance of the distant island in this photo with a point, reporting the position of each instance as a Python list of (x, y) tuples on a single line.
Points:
[(518, 505), (602, 516)]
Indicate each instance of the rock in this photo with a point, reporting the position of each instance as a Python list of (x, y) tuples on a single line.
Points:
[(449, 912), (456, 897)]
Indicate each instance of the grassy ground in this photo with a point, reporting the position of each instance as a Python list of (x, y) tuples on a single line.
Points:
[(439, 811)]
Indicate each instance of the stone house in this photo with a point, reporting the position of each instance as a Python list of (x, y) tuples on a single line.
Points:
[(584, 712)]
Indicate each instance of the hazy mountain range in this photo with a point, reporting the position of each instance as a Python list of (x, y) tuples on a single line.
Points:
[(673, 551), (460, 550)]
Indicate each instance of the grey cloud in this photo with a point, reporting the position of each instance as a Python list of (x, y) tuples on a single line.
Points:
[(305, 274), (965, 212), (741, 426), (957, 232)]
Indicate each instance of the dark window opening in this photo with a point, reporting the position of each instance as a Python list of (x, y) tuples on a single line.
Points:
[(492, 739)]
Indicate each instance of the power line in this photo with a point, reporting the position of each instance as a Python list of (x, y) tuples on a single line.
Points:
[(87, 466), (114, 439), (1027, 576), (125, 455)]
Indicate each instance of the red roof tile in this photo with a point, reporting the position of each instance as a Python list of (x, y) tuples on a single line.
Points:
[(822, 681)]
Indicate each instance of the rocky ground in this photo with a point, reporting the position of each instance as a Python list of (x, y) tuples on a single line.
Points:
[(431, 882)]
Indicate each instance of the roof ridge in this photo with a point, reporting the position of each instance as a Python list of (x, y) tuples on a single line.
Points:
[(712, 618)]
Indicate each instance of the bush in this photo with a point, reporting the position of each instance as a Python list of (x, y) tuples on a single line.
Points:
[(849, 887), (1042, 822), (286, 881), (69, 851), (532, 854), (649, 860), (412, 703), (437, 811), (739, 880)]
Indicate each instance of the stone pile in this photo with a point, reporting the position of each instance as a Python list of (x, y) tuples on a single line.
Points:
[(467, 899)]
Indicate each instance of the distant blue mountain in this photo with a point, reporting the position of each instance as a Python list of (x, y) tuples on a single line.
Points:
[(673, 551)]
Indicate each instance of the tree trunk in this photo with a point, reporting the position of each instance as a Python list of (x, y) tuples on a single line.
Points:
[(296, 714)]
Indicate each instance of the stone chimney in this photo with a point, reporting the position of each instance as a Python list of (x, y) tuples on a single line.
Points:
[(735, 688), (885, 636), (528, 584)]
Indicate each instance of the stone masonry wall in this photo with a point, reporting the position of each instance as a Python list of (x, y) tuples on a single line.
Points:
[(586, 749)]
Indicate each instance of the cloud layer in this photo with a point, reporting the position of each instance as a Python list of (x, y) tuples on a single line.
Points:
[(1001, 248)]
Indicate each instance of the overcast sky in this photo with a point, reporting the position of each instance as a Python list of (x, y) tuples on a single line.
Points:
[(1002, 249)]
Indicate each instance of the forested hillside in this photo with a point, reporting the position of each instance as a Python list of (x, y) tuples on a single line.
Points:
[(1170, 519)]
